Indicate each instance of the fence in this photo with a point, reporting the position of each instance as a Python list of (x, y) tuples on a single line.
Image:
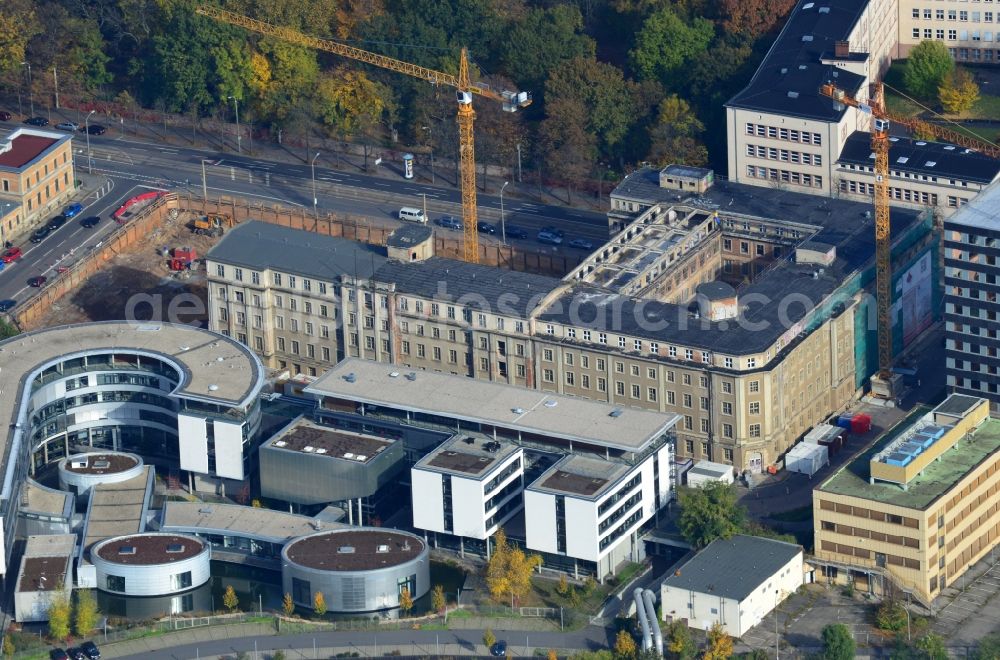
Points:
[(143, 226)]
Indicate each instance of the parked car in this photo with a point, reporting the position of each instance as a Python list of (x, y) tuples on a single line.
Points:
[(549, 238), (513, 231), (72, 210), (449, 222), (7, 305), (4, 115), (554, 230), (76, 654), (581, 243), (499, 649), (56, 222), (91, 650), (38, 281), (58, 654), (94, 129), (91, 222), (13, 254), (40, 234), (486, 228), (36, 121), (68, 126)]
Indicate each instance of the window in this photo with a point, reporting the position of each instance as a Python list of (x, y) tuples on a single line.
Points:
[(570, 378), (548, 376), (651, 393), (116, 583), (755, 430), (727, 362), (220, 270), (688, 422), (755, 407), (621, 342), (727, 408), (751, 363), (635, 391), (181, 580), (568, 358), (602, 385), (546, 353), (755, 386), (727, 432), (727, 387), (619, 388)]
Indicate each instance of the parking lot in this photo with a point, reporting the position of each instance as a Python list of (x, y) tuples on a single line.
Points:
[(970, 608)]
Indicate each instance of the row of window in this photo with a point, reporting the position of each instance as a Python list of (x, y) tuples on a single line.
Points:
[(760, 249), (975, 54), (803, 137), (960, 15), (727, 454), (953, 35), (901, 194), (784, 176), (784, 155)]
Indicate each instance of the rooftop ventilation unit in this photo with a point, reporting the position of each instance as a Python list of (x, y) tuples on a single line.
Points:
[(102, 464), (361, 458), (617, 412), (280, 443), (213, 388), (921, 144), (411, 376), (930, 163), (793, 95), (902, 160), (308, 449), (349, 455), (950, 147), (351, 378), (345, 550), (551, 403), (321, 450), (393, 374), (517, 411), (809, 5), (807, 38), (824, 10), (483, 459), (383, 548), (78, 464)]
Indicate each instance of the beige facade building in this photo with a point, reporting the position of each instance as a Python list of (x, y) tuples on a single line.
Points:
[(750, 326), (36, 177), (970, 29), (920, 510)]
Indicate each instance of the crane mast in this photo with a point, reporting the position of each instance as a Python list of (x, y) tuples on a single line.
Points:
[(511, 100)]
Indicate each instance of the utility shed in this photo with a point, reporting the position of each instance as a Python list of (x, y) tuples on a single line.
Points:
[(734, 582), (807, 458), (705, 471), (45, 572)]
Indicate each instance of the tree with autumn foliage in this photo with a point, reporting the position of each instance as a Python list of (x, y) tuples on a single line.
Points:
[(509, 570), (675, 137), (958, 92), (625, 646), (720, 644)]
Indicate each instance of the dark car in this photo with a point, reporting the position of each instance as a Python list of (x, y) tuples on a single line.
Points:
[(40, 234), (581, 243), (76, 654), (7, 305), (94, 129), (58, 654), (38, 281), (72, 210), (486, 228), (449, 222), (514, 231), (57, 222), (91, 222), (91, 650), (36, 121), (4, 115), (554, 230), (499, 649)]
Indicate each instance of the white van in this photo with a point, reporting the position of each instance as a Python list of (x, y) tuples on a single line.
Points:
[(412, 215)]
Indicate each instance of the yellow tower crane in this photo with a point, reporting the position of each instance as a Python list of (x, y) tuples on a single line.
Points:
[(883, 382), (511, 101)]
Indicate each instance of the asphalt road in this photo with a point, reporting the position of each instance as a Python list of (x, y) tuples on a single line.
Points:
[(411, 642)]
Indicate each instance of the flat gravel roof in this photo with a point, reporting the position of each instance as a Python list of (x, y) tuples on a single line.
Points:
[(149, 549), (102, 463), (355, 549)]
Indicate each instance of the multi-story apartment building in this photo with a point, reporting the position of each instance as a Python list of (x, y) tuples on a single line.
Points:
[(971, 255), (36, 176), (971, 30), (920, 510), (653, 319)]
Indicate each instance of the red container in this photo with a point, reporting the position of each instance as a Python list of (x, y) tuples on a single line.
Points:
[(861, 423)]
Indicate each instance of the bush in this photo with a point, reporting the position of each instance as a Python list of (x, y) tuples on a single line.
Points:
[(891, 616), (278, 655)]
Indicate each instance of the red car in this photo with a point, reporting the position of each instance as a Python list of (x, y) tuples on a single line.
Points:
[(13, 254)]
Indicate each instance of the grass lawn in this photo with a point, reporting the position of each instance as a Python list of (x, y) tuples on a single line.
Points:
[(544, 594)]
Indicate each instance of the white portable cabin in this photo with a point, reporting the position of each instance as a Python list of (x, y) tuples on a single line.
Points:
[(807, 458), (706, 471)]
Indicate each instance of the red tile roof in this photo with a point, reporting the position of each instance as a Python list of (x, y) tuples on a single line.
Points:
[(24, 150)]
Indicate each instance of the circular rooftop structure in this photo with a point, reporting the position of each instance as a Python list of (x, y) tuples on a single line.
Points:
[(152, 564), (81, 472), (357, 569)]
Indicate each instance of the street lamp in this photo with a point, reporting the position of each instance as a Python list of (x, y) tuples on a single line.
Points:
[(776, 638), (312, 166), (204, 181), (86, 129), (236, 105), (503, 228), (31, 93)]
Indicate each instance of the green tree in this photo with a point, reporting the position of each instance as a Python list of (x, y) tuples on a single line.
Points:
[(710, 512), (18, 24), (319, 603), (8, 647), (438, 601), (679, 643), (891, 615), (625, 647), (958, 91), (666, 43), (86, 614), (926, 68), (988, 647), (541, 41), (675, 137), (229, 598), (59, 615), (284, 81), (932, 647), (565, 146), (288, 605), (720, 644), (7, 329), (348, 102), (838, 644), (405, 601), (489, 639)]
